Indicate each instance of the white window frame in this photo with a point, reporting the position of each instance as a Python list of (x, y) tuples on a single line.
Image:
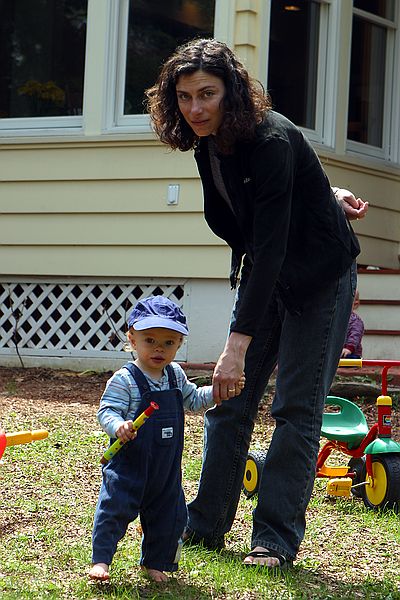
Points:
[(324, 131), (115, 120), (390, 139), (25, 126)]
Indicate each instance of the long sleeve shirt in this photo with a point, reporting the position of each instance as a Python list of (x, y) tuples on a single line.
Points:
[(121, 398), (282, 218), (355, 331)]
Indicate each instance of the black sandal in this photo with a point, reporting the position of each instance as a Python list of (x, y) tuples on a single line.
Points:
[(284, 563)]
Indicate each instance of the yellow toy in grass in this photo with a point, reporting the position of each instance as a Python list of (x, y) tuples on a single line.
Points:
[(22, 437)]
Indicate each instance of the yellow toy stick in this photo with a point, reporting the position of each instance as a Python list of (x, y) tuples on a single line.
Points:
[(138, 422), (25, 437)]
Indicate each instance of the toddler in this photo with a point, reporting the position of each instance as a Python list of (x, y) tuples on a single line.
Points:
[(144, 477)]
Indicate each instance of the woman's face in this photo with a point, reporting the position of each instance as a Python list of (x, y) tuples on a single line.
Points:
[(200, 97)]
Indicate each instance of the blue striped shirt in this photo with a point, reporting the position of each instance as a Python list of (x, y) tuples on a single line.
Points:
[(121, 398)]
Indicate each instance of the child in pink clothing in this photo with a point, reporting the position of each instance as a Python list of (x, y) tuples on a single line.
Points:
[(355, 331)]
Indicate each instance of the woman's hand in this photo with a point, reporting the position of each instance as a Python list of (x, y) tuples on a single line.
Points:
[(355, 208), (125, 432), (228, 379)]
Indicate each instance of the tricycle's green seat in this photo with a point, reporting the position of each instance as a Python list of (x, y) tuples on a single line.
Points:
[(348, 424)]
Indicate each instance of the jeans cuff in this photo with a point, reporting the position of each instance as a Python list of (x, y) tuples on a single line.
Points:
[(191, 537)]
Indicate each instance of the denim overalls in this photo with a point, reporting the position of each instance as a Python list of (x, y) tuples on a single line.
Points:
[(145, 477)]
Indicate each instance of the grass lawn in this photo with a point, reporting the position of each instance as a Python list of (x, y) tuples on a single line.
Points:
[(48, 491)]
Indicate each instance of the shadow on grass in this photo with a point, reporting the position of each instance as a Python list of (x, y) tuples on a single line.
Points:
[(147, 589), (322, 585), (350, 506), (312, 583)]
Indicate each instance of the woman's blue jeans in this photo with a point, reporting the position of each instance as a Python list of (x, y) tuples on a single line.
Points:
[(306, 349)]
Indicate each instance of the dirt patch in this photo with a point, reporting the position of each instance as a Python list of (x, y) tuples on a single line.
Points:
[(42, 385), (49, 387)]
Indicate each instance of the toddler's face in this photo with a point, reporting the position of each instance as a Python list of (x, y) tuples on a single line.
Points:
[(155, 348)]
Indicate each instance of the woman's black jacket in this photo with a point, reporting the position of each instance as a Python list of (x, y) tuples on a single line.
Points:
[(286, 222)]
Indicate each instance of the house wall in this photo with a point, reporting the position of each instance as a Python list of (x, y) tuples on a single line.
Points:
[(380, 311), (93, 210), (84, 209), (379, 232)]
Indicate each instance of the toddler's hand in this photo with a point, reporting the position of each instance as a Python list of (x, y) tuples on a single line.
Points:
[(345, 352), (125, 432), (241, 383)]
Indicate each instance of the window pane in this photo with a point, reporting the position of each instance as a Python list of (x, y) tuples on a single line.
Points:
[(367, 80), (155, 29), (42, 53), (381, 8), (293, 59)]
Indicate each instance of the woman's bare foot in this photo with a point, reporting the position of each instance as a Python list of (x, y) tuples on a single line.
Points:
[(99, 572), (264, 561), (154, 575)]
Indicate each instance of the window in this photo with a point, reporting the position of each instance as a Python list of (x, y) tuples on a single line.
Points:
[(297, 63), (151, 30), (371, 77), (42, 54)]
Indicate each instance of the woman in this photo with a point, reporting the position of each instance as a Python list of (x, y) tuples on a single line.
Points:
[(267, 196)]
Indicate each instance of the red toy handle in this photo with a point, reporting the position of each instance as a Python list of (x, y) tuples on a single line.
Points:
[(3, 442), (151, 408)]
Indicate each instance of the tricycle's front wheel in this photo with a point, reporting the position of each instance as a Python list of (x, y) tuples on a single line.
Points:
[(383, 491)]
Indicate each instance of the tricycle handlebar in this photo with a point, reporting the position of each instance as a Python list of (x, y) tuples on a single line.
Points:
[(361, 362)]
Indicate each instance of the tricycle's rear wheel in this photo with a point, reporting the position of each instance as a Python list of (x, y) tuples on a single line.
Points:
[(252, 473), (356, 465), (384, 493)]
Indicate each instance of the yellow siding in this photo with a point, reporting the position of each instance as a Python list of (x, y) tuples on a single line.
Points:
[(115, 261), (90, 209), (377, 252), (379, 232), (60, 201), (135, 229), (100, 161), (102, 196)]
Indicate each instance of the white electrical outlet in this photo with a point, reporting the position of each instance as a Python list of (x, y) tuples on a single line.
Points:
[(173, 193)]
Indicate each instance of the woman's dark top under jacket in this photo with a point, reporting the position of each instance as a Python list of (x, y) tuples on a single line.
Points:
[(286, 221)]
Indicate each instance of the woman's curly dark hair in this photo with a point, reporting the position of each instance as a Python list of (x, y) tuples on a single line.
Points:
[(244, 102)]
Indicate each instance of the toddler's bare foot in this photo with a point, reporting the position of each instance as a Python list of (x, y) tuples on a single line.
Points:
[(154, 575), (99, 572)]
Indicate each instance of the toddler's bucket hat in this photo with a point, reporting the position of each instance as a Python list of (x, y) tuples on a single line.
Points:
[(158, 311)]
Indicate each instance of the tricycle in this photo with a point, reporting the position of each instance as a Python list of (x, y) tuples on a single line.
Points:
[(373, 471)]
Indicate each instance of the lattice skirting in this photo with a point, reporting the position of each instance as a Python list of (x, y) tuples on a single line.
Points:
[(76, 319)]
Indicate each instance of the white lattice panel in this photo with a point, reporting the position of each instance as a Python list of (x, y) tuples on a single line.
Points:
[(71, 319)]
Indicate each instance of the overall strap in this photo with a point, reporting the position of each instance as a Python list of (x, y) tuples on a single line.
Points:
[(171, 377), (139, 377), (141, 380)]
